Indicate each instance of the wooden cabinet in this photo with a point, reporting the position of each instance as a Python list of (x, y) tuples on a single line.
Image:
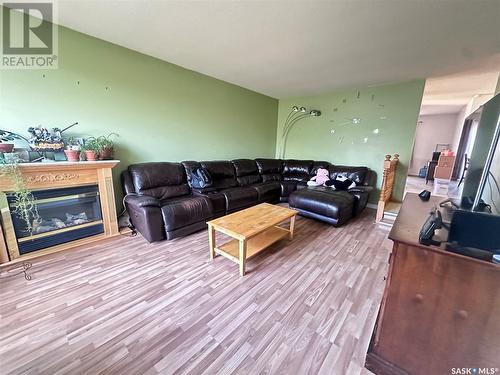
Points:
[(444, 167), (439, 310), (431, 168)]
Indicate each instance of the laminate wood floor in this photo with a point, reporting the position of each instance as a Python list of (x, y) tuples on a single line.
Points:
[(128, 307)]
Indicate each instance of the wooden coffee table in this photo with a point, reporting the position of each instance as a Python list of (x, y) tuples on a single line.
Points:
[(253, 229)]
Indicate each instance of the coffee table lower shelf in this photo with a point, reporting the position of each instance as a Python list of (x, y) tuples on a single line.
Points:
[(252, 229), (255, 245)]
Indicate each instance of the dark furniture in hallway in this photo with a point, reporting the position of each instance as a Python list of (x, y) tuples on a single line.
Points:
[(440, 310), (431, 166), (163, 204)]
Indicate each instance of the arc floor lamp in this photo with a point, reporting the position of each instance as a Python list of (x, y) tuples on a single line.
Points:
[(296, 114)]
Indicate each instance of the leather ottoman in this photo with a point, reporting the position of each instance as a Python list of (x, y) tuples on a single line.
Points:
[(330, 206)]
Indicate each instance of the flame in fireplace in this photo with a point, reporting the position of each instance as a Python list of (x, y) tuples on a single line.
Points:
[(50, 224)]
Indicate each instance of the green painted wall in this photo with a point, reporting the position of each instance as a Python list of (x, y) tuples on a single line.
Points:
[(166, 113), (161, 111), (393, 109)]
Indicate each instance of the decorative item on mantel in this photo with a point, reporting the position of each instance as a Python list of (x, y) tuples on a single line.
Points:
[(73, 149), (16, 147), (91, 149), (101, 147), (106, 146), (5, 139), (45, 140), (49, 145)]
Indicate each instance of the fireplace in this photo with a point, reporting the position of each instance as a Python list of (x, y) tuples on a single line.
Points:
[(65, 214), (76, 205)]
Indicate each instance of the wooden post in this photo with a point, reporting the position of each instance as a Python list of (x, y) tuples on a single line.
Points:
[(8, 226), (4, 255), (107, 197), (388, 179)]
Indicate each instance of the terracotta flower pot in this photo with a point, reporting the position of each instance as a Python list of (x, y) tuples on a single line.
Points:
[(91, 155), (6, 147), (72, 155), (106, 154)]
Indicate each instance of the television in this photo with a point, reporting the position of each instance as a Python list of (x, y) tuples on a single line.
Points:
[(481, 189)]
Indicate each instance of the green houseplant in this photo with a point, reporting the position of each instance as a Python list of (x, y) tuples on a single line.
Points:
[(24, 201), (73, 149), (91, 149), (105, 146)]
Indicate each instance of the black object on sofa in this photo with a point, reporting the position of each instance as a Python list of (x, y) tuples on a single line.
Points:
[(163, 205)]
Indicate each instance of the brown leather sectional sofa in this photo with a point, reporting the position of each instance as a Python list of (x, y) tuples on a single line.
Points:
[(163, 205)]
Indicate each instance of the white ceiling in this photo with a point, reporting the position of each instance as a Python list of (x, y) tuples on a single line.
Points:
[(449, 94), (293, 48)]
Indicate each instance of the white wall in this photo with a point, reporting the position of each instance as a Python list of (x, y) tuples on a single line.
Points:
[(431, 130), (472, 106)]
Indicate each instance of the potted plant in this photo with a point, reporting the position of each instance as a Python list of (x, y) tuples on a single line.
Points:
[(73, 149), (6, 137), (91, 149), (106, 146), (24, 201)]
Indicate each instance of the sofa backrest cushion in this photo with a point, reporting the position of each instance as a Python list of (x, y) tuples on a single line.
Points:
[(356, 174), (247, 172), (297, 170), (160, 180), (127, 183), (222, 173), (270, 169)]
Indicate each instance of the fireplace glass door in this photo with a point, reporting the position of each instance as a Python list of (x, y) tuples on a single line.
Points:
[(64, 215)]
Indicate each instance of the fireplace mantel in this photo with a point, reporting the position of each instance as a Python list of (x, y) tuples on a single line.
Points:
[(56, 175)]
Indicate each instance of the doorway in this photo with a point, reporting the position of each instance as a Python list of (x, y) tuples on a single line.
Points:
[(448, 121)]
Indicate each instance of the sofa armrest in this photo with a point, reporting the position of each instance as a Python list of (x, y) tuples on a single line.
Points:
[(360, 189), (142, 201), (145, 216)]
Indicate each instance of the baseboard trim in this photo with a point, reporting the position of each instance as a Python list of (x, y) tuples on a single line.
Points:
[(373, 206)]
